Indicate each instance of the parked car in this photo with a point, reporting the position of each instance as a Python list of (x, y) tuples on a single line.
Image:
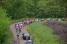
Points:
[(28, 42), (27, 39)]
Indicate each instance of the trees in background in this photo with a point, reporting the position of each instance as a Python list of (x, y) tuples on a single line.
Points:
[(17, 9)]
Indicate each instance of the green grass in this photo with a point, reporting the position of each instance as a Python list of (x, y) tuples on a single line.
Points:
[(6, 36), (42, 34)]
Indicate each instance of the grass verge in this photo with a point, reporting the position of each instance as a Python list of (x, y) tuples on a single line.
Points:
[(42, 34)]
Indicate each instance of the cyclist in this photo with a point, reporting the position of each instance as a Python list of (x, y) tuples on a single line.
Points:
[(18, 36), (25, 23), (20, 27), (16, 27)]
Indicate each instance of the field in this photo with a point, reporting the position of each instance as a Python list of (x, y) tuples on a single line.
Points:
[(42, 34)]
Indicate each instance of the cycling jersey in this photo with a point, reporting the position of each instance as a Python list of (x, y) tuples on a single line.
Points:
[(20, 26), (17, 26)]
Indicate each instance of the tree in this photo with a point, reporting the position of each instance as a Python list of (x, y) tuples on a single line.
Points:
[(4, 27), (36, 8)]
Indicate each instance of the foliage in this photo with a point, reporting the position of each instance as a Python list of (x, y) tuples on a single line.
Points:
[(17, 9), (5, 37)]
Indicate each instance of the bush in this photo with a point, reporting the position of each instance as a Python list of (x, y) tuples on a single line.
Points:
[(5, 34)]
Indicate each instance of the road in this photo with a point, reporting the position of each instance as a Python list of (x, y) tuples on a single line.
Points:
[(20, 40), (60, 29)]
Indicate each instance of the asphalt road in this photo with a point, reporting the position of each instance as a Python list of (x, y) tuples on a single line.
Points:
[(16, 40)]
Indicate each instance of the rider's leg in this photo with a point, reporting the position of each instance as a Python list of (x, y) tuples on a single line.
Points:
[(16, 30), (18, 36), (20, 30)]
